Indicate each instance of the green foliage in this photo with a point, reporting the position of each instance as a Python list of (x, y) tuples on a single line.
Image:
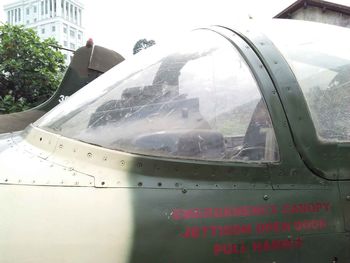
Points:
[(30, 69), (142, 44), (9, 104)]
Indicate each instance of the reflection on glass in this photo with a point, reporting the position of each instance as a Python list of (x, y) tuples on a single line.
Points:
[(199, 101), (321, 64)]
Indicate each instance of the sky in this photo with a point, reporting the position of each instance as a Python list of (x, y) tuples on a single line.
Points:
[(119, 24)]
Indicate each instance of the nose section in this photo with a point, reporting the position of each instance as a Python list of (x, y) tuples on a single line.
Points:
[(63, 224), (6, 140), (53, 213)]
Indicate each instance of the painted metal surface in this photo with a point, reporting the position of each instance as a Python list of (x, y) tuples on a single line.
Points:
[(68, 201)]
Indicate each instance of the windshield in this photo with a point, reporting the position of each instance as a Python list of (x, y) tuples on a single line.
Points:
[(198, 101), (321, 63)]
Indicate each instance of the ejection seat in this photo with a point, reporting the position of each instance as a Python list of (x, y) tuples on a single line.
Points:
[(259, 141)]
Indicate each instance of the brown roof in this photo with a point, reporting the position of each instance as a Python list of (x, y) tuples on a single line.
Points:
[(324, 5)]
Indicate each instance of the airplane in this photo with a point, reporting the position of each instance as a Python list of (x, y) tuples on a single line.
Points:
[(232, 145), (88, 62)]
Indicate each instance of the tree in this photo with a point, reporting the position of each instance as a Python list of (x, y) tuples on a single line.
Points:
[(142, 44), (30, 69)]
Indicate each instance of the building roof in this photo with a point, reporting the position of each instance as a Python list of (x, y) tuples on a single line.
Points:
[(324, 5)]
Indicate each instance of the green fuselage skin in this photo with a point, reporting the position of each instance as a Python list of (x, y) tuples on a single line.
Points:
[(95, 204)]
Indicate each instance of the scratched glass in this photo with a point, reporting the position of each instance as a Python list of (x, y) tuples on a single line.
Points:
[(197, 101), (321, 63)]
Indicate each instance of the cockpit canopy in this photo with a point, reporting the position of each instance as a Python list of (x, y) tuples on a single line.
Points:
[(199, 100)]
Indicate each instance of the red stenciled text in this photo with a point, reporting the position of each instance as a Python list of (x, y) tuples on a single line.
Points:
[(259, 228), (306, 208), (257, 246), (223, 212), (282, 227), (272, 227), (248, 211), (314, 224), (276, 244), (229, 249), (216, 231)]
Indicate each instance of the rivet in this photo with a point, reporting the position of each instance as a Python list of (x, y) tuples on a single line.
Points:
[(6, 180), (266, 197), (105, 158), (184, 191), (140, 184), (60, 146), (103, 183), (159, 184), (89, 155), (122, 162), (40, 139), (177, 184)]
